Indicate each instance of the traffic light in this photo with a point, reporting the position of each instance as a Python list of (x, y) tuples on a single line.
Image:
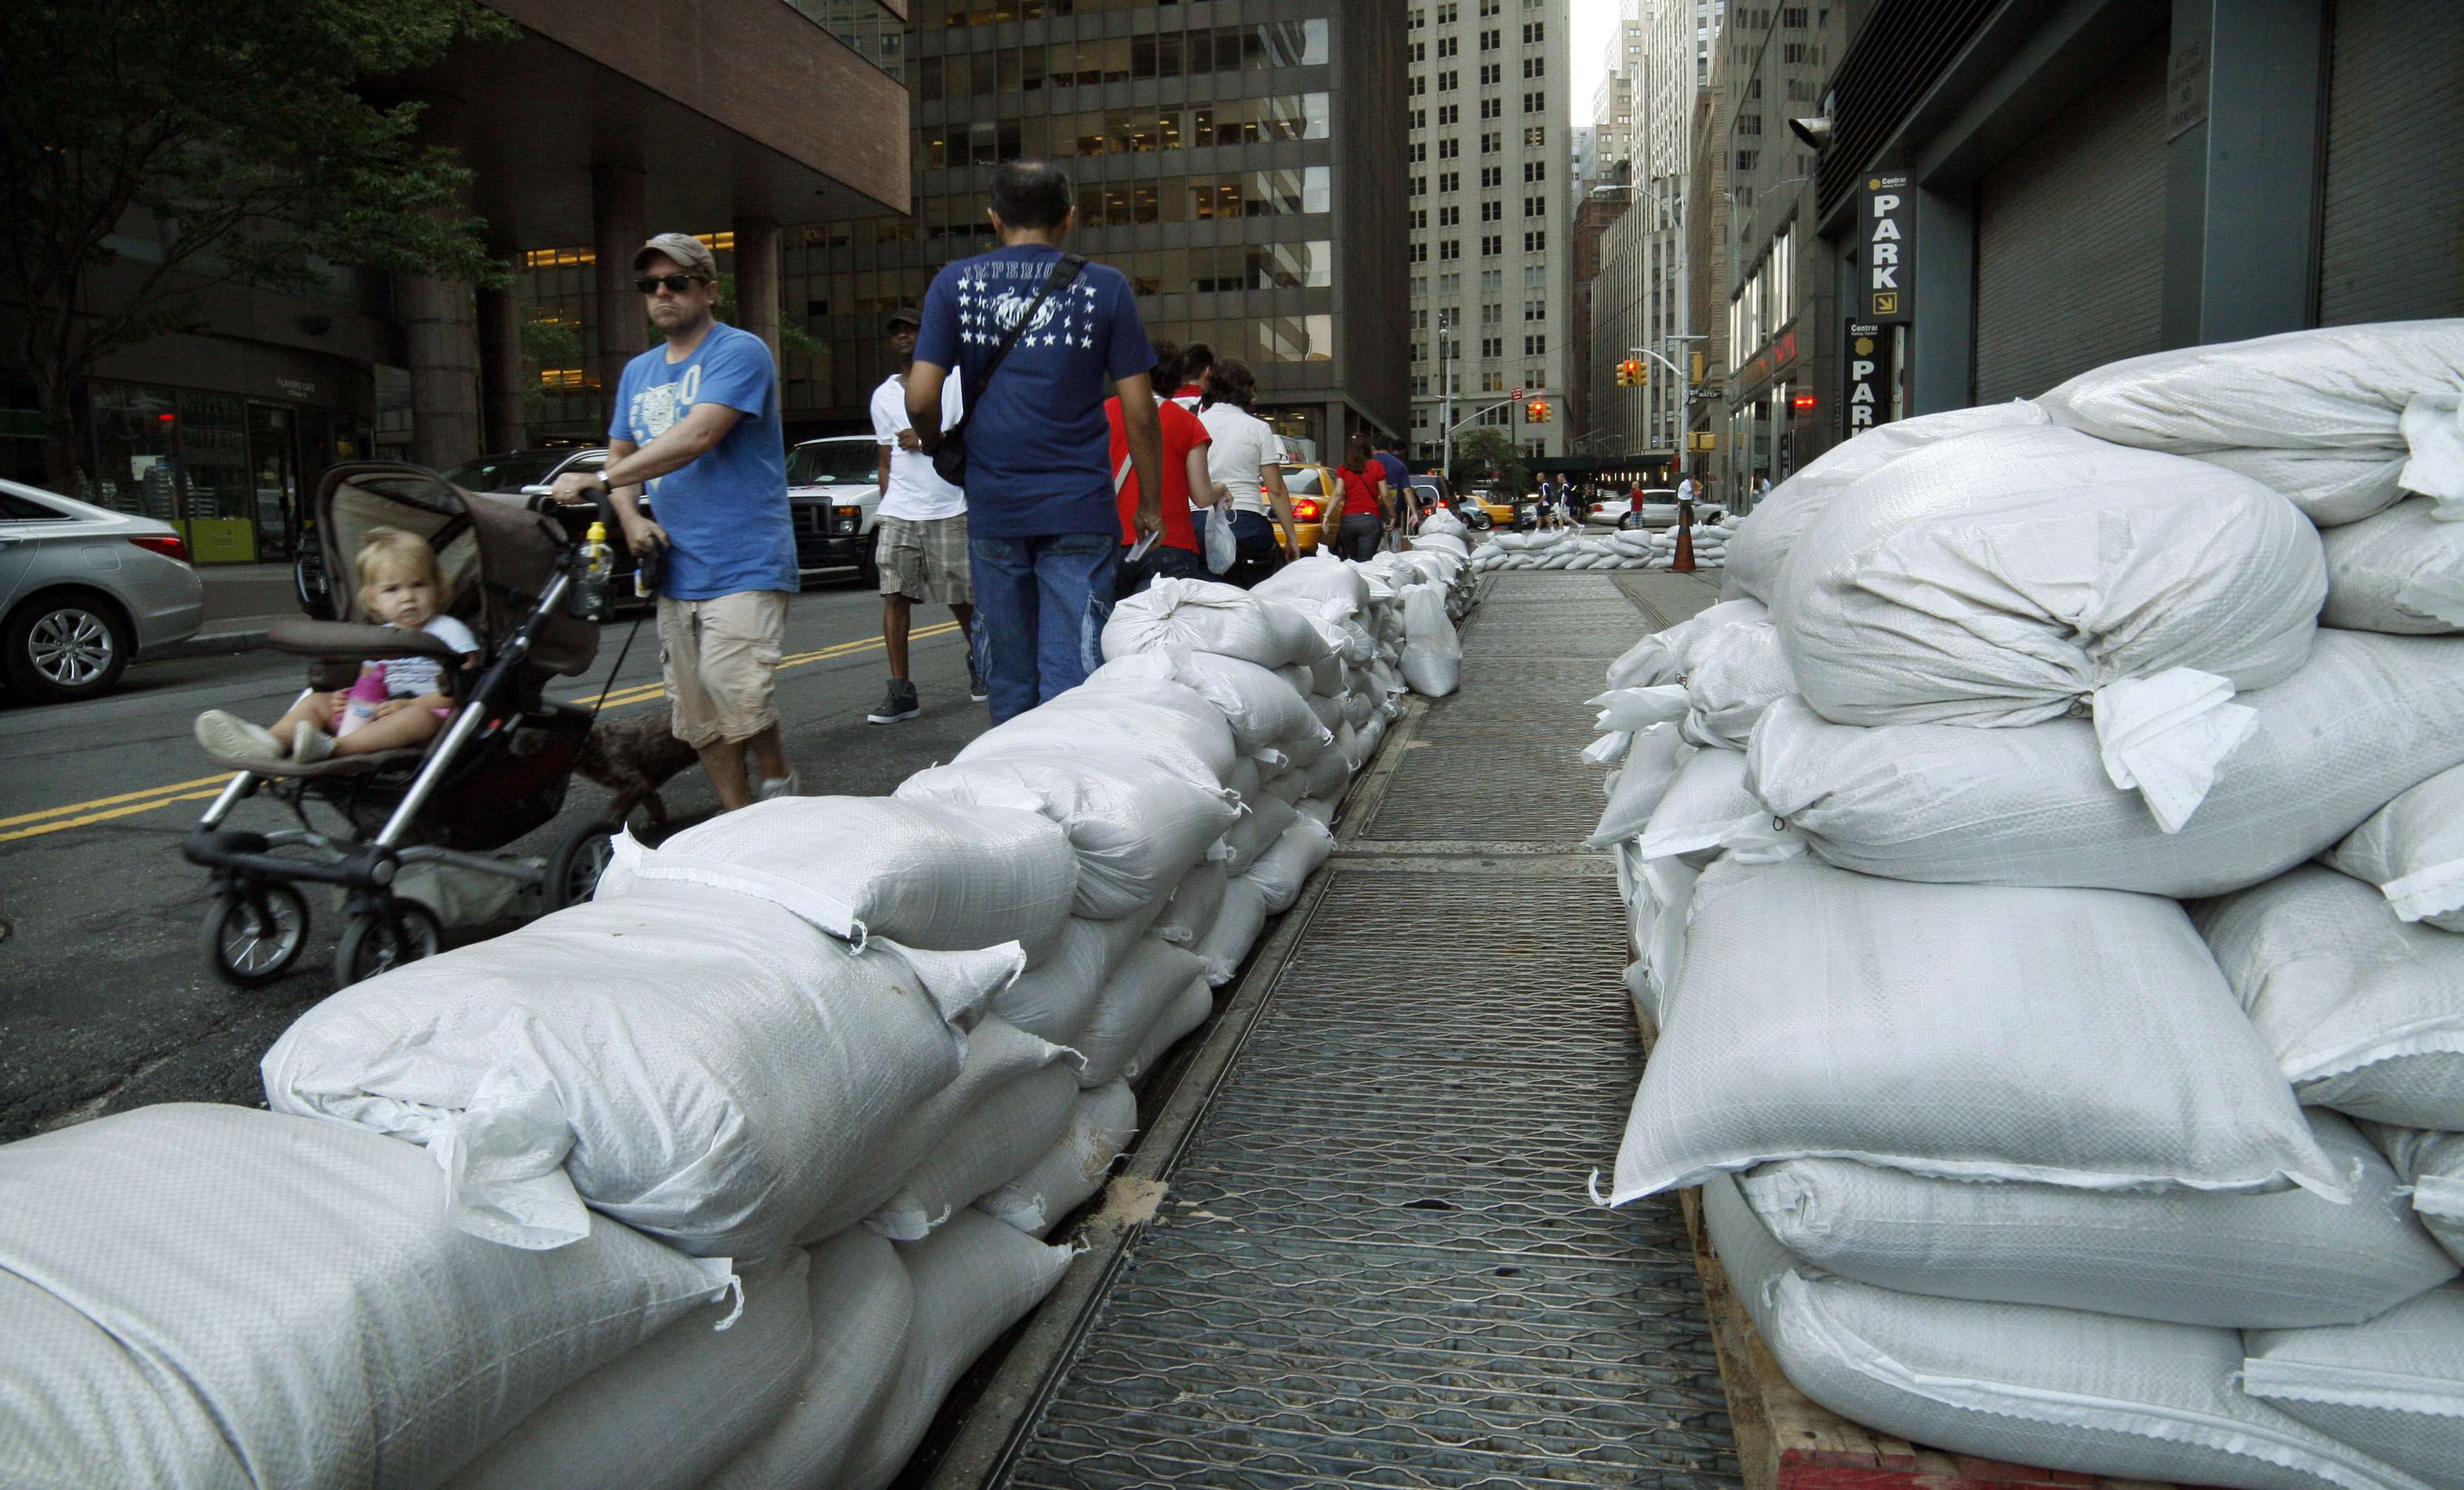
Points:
[(1630, 373), (1536, 412)]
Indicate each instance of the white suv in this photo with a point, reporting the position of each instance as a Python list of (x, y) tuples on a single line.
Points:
[(834, 492)]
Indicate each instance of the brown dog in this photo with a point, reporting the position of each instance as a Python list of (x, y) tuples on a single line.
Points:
[(633, 755)]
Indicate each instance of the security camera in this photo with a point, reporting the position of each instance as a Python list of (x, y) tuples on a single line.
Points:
[(1815, 132)]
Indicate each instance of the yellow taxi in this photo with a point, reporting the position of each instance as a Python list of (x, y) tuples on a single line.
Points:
[(1498, 507), (1314, 506)]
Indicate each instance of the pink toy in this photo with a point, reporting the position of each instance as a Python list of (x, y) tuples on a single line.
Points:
[(368, 691)]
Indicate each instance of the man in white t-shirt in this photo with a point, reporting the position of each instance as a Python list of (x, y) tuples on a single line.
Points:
[(922, 545)]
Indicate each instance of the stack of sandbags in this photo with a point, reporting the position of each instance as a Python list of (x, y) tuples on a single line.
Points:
[(1625, 548), (1924, 985)]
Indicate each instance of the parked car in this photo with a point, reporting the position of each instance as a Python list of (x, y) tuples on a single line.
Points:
[(834, 486), (84, 591), (1499, 507), (1658, 510)]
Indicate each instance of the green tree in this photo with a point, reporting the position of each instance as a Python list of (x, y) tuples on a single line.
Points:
[(153, 150), (1488, 456)]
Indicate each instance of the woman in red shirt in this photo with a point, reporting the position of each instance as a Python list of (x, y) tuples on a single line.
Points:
[(1176, 554), (1367, 509)]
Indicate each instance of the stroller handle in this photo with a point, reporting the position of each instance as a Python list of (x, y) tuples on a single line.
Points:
[(542, 499)]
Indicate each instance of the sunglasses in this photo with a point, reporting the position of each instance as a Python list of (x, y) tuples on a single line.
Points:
[(677, 284)]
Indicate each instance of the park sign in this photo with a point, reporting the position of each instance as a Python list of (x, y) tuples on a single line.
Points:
[(1885, 216), (1868, 382)]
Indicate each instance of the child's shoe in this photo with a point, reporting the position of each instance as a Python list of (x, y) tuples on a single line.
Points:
[(310, 744), (225, 734)]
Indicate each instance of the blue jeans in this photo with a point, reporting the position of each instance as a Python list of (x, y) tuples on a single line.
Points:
[(1162, 562), (1041, 604), (1260, 549)]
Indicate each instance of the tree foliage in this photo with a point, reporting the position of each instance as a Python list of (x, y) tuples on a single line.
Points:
[(1488, 456), (152, 150)]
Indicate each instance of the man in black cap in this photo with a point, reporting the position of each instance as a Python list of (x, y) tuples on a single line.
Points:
[(921, 534)]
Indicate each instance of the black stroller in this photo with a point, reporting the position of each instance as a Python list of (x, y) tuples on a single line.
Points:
[(498, 770)]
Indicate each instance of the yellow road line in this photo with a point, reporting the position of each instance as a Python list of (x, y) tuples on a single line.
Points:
[(91, 818), (644, 693), (105, 801)]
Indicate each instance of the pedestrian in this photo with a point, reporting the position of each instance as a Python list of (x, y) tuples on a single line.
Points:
[(1245, 461), (1177, 553), (1189, 375), (1367, 504), (1398, 481), (920, 546), (1686, 489), (696, 427), (1035, 332)]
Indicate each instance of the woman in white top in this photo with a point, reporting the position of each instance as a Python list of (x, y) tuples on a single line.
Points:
[(1245, 460)]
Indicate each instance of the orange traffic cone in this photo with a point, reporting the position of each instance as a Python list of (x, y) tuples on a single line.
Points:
[(1685, 561)]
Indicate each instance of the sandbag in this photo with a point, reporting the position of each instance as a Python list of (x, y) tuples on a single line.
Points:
[(1327, 779), (1652, 764), (1187, 1010), (1246, 780), (1149, 980), (2344, 420), (2013, 576), (1256, 832), (1055, 998), (698, 1065), (1765, 537), (1283, 869), (1733, 674), (2284, 1260), (1006, 1130), (1431, 660), (2431, 1166), (974, 1279), (1073, 1169), (1659, 657), (2074, 1038), (2368, 716), (1327, 712), (1194, 902), (2413, 850), (1206, 617), (1262, 710), (2400, 570), (923, 874), (861, 1304), (1137, 827), (2393, 1387), (2365, 1012), (1163, 721), (1226, 944), (215, 1297), (1708, 798), (1318, 578), (666, 1416), (2064, 1388)]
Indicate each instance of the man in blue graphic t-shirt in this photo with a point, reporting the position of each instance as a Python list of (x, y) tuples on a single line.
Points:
[(696, 425), (1043, 530)]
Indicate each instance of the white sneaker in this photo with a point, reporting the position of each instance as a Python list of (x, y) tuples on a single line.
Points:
[(774, 787), (310, 744), (225, 734)]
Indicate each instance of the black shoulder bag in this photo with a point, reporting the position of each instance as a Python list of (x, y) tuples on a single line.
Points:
[(950, 456)]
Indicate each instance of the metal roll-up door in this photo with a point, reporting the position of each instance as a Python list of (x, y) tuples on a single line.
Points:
[(2070, 238), (2391, 236)]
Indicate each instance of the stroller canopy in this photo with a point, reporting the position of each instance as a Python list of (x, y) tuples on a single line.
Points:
[(497, 555)]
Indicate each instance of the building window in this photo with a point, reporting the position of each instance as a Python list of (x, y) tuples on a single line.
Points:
[(1450, 217), (1491, 144), (1534, 32), (1746, 161), (1489, 40), (1535, 206), (1493, 278), (1491, 74), (1492, 211), (1450, 249), (1535, 310), (1536, 170), (1535, 67), (1492, 244), (1492, 108), (1492, 315), (1448, 149), (1449, 114), (1536, 345), (1492, 175), (1536, 136), (1450, 181), (1492, 347), (1536, 241), (1448, 80), (1535, 103)]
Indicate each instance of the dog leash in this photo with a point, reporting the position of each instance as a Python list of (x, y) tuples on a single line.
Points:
[(621, 653)]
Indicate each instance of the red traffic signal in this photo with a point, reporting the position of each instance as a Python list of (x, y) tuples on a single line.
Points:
[(1536, 412)]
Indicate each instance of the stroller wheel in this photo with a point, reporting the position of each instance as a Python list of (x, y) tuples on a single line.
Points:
[(379, 941), (254, 935), (579, 860)]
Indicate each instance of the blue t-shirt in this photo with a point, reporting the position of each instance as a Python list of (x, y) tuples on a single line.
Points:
[(1038, 444), (726, 513), (1397, 475)]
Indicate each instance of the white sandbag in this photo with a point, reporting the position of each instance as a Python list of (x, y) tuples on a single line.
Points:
[(1206, 617), (2413, 850), (1320, 577), (1247, 779), (1150, 978), (1764, 535), (2075, 1038), (1660, 658), (1073, 1169), (1299, 677), (1360, 706), (1167, 722), (2367, 717), (1659, 900), (2365, 1012), (1321, 812), (2393, 1387), (2285, 1260), (2064, 1388), (698, 1065), (923, 874), (1256, 832), (1283, 869), (1187, 1010), (2431, 1166), (1327, 779), (1632, 710), (1432, 656), (1226, 944), (1137, 826), (1263, 710), (2402, 570), (1433, 541), (1004, 1133), (1056, 998), (1732, 675), (1327, 712), (1291, 785), (666, 1416), (1194, 902), (215, 1297), (1652, 764), (974, 1279), (2013, 576), (2321, 416), (861, 1304), (1708, 798)]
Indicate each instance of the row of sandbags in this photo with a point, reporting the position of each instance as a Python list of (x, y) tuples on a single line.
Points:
[(1631, 548), (731, 1173), (2049, 1104)]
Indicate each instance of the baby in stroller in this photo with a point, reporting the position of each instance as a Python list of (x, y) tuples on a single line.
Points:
[(402, 585)]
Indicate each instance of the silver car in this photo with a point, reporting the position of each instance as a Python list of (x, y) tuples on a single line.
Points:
[(83, 591)]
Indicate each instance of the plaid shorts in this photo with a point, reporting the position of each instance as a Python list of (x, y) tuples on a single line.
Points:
[(926, 559)]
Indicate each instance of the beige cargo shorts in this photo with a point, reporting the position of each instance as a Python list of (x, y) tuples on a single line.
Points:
[(717, 656)]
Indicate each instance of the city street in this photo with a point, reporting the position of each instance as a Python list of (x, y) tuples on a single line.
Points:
[(106, 1001)]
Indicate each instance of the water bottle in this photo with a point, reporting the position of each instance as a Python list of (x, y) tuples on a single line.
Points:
[(368, 691), (598, 566)]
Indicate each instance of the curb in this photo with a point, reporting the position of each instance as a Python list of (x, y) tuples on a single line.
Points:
[(219, 644)]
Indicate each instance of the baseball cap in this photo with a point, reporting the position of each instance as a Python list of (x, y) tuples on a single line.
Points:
[(906, 315), (687, 252)]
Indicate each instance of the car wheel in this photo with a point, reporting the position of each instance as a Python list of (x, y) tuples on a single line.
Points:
[(869, 568), (65, 647), (1479, 521), (1630, 521)]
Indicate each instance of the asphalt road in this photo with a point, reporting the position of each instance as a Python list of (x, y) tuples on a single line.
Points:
[(106, 1000)]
